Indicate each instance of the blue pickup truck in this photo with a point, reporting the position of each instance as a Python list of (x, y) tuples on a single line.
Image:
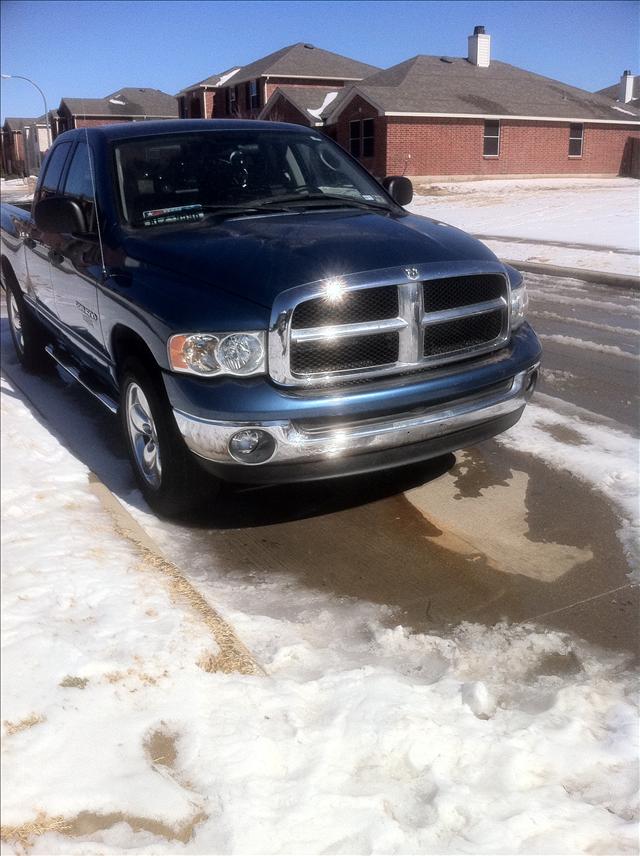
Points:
[(257, 308)]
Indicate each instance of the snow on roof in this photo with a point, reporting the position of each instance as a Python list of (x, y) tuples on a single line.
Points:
[(329, 97), (622, 110), (224, 77)]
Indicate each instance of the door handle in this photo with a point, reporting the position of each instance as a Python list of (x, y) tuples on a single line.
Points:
[(55, 257)]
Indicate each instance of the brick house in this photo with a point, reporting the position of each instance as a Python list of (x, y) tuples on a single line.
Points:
[(473, 116), (13, 150), (131, 104), (24, 145), (243, 91)]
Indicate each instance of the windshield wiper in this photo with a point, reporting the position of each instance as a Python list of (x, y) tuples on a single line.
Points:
[(322, 198)]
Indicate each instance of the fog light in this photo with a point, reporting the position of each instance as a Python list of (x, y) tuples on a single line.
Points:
[(252, 446)]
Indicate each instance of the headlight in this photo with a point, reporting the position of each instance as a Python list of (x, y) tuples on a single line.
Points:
[(519, 297), (211, 354)]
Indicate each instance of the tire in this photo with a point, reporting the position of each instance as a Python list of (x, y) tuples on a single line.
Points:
[(169, 478), (26, 333)]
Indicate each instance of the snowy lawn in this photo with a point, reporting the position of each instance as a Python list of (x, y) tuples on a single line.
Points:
[(119, 735), (603, 215), (17, 189)]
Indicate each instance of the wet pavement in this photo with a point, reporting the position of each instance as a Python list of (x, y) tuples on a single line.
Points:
[(487, 535)]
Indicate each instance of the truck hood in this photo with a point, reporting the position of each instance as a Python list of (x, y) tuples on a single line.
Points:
[(259, 257)]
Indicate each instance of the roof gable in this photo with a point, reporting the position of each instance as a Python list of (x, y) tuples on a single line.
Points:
[(311, 101), (128, 101), (451, 86), (298, 60)]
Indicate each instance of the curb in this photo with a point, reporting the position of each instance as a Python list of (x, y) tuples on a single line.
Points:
[(617, 280), (234, 656)]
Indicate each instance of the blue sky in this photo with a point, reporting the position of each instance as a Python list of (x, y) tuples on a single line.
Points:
[(88, 49)]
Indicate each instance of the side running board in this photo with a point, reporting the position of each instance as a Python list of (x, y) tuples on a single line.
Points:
[(104, 399)]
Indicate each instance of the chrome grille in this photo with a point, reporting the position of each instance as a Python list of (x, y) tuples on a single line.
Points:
[(379, 323), (357, 352), (456, 291), (462, 333), (354, 307)]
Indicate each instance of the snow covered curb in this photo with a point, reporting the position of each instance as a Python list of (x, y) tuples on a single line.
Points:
[(616, 280), (490, 740)]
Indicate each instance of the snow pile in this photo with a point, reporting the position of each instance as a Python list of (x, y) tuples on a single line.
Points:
[(494, 740), (602, 216)]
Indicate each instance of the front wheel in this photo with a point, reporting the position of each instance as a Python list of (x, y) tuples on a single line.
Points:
[(26, 334), (168, 477)]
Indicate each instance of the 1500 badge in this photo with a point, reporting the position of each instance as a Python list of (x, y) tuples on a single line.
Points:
[(88, 313)]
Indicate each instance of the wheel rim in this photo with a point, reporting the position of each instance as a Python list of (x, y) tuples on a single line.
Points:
[(143, 435), (16, 322)]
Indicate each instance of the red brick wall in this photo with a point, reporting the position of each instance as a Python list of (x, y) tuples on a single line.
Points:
[(454, 147), (209, 103), (274, 82), (361, 109), (96, 123)]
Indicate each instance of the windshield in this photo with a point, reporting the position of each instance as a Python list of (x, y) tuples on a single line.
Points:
[(181, 177)]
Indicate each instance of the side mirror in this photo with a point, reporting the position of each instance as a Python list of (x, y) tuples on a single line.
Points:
[(59, 214), (399, 188)]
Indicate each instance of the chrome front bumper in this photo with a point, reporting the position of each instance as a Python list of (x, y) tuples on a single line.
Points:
[(300, 442)]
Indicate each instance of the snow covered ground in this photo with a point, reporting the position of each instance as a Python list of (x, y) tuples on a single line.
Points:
[(17, 189), (119, 734), (599, 217)]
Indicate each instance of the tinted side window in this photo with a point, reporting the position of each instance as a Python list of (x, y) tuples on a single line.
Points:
[(78, 181), (55, 165)]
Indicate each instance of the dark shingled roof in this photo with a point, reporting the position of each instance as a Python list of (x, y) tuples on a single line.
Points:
[(137, 102), (306, 98), (299, 60), (214, 80), (614, 91), (453, 85), (13, 123)]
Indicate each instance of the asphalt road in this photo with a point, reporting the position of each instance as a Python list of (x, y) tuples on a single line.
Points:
[(486, 535)]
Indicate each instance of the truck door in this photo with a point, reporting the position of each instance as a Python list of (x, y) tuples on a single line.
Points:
[(75, 262), (38, 244)]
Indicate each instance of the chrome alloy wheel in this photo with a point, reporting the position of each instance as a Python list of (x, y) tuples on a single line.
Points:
[(16, 322), (143, 435)]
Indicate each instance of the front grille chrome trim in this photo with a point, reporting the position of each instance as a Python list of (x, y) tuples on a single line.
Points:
[(346, 331), (412, 321), (464, 311)]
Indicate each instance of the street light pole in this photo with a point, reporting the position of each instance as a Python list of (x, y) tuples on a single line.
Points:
[(46, 110)]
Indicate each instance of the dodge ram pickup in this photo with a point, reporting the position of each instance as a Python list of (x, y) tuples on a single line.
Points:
[(258, 308)]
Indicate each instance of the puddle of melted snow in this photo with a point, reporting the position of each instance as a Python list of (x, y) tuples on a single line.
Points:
[(563, 434), (493, 519)]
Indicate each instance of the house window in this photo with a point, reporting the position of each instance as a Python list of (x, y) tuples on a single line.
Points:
[(491, 143), (254, 95), (361, 138), (231, 101), (576, 134)]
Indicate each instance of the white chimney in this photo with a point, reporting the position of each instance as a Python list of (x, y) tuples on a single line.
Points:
[(479, 48), (625, 93)]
